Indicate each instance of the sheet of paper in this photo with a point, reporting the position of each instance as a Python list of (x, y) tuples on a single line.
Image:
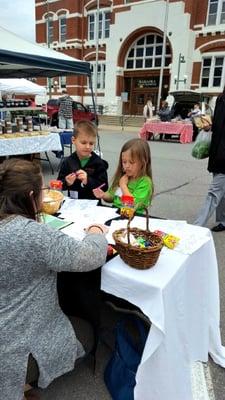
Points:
[(75, 230), (74, 209), (85, 212)]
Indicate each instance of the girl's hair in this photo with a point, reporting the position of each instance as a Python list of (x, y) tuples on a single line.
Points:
[(140, 151), (20, 188)]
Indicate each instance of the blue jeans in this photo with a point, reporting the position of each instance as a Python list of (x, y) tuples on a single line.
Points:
[(65, 123)]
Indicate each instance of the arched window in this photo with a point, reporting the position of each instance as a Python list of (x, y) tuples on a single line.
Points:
[(62, 28), (49, 28), (146, 53)]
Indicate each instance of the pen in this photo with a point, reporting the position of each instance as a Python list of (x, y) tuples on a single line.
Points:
[(101, 186)]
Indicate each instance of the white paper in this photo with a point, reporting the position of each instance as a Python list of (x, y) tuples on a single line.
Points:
[(84, 213), (75, 230), (74, 209)]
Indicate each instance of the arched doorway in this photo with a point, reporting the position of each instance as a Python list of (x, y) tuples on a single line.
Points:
[(142, 60)]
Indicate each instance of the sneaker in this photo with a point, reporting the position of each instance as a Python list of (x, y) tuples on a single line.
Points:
[(218, 228)]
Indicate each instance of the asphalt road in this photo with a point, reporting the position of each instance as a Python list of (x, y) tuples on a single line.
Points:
[(180, 186)]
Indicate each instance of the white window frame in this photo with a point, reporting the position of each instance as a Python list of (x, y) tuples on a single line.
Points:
[(62, 82), (100, 75), (213, 58), (103, 32), (62, 17), (218, 13), (145, 57), (49, 20)]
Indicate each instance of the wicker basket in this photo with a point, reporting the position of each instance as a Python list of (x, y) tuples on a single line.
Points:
[(52, 201), (136, 257)]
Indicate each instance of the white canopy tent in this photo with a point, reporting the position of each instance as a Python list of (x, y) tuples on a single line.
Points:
[(21, 86)]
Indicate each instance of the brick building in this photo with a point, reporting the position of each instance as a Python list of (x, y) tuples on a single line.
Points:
[(130, 47)]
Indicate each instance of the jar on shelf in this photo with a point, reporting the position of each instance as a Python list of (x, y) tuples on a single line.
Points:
[(29, 124), (8, 127), (127, 208), (19, 123)]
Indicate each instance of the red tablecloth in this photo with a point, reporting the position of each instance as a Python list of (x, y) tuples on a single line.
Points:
[(185, 130)]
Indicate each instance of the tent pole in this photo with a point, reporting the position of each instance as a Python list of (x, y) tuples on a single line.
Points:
[(94, 108)]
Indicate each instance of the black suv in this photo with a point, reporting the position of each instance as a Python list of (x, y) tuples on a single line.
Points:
[(184, 102)]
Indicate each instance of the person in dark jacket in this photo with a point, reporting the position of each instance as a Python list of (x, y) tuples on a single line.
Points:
[(164, 113), (215, 199), (84, 170)]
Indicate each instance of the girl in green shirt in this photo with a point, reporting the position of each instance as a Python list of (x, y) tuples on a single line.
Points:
[(133, 176)]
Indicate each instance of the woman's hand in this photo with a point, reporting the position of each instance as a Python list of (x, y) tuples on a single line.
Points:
[(70, 179), (99, 194), (82, 176), (97, 228)]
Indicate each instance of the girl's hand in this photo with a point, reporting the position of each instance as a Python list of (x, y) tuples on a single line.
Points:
[(70, 179), (99, 194), (123, 182), (82, 176)]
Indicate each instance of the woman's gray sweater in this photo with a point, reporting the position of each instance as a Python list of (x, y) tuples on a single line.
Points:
[(31, 320)]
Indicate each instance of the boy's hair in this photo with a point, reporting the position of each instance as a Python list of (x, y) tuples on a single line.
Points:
[(140, 150), (85, 126)]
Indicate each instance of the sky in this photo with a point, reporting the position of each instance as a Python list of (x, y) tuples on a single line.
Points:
[(18, 16)]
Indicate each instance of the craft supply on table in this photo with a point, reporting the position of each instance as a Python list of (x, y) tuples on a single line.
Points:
[(141, 249), (54, 222), (101, 186), (55, 184), (52, 201), (127, 208), (169, 240)]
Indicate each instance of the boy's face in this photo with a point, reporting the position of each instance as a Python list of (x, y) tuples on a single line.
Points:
[(84, 144)]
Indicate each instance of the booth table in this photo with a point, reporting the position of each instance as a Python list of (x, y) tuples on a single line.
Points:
[(180, 296), (29, 144), (184, 130)]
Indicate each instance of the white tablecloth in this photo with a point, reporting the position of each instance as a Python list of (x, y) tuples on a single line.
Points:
[(30, 144), (180, 295)]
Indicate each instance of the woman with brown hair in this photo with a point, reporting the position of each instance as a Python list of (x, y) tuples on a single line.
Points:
[(31, 321)]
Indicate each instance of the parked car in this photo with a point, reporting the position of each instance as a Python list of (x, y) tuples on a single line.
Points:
[(80, 112), (183, 102)]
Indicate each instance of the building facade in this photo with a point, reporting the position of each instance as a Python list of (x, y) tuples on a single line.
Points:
[(125, 43)]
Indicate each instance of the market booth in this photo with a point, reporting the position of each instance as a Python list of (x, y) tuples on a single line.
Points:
[(29, 60)]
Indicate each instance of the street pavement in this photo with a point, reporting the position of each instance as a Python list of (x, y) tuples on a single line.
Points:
[(180, 186)]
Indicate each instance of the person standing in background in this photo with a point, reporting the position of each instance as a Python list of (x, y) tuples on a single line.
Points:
[(208, 110), (164, 113), (65, 111), (148, 110), (215, 199), (195, 112)]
